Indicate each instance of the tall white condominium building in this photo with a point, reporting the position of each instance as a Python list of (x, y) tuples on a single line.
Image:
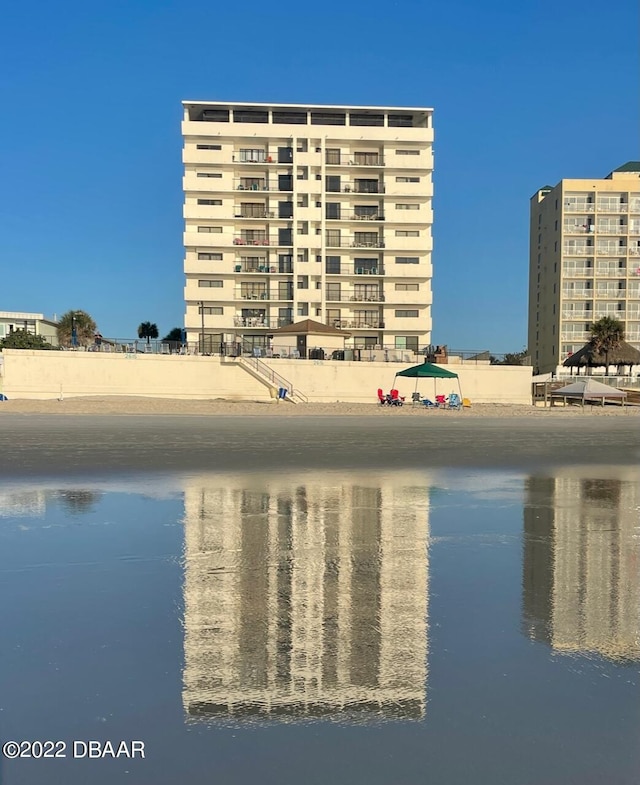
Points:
[(584, 262), (299, 212)]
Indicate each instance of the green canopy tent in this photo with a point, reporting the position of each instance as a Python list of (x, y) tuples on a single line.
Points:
[(429, 371)]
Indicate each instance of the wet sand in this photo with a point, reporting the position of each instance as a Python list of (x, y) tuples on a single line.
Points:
[(44, 445)]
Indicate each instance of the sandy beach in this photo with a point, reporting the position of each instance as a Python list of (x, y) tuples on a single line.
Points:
[(221, 407), (100, 436)]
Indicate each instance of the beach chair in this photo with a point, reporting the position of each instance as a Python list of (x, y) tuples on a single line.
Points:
[(382, 398), (415, 399), (428, 404), (441, 401), (466, 403), (454, 401), (396, 398)]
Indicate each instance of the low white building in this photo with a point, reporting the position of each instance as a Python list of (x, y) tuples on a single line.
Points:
[(34, 323)]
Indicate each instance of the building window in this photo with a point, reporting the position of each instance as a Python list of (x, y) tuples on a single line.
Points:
[(210, 229), (216, 115), (407, 260), (303, 309), (407, 152), (208, 174), (407, 179), (303, 282), (211, 257), (256, 155), (210, 284), (328, 118), (366, 119), (407, 233), (249, 116), (290, 118), (208, 147), (409, 342), (407, 314), (211, 310), (215, 202), (400, 121), (407, 287), (407, 207)]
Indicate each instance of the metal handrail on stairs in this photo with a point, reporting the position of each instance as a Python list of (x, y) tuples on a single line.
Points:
[(270, 375)]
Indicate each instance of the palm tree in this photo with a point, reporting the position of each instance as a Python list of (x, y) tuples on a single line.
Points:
[(607, 334), (148, 330), (76, 328)]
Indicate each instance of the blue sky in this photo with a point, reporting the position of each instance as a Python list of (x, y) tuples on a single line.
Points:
[(90, 172)]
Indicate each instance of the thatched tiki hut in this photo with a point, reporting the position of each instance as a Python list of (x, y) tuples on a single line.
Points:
[(588, 357)]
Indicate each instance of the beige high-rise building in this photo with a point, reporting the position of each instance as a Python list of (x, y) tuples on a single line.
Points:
[(306, 596), (584, 262), (297, 212)]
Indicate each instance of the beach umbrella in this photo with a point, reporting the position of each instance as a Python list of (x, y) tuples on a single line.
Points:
[(428, 370)]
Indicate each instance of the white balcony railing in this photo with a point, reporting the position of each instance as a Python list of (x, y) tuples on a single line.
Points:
[(578, 272), (612, 207), (577, 294), (611, 272), (611, 250), (579, 250), (571, 206), (611, 229), (582, 315)]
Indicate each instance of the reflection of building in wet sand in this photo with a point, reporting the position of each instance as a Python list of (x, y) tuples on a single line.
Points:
[(581, 583), (306, 599), (23, 504)]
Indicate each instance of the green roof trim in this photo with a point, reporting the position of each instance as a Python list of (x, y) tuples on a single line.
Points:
[(630, 166)]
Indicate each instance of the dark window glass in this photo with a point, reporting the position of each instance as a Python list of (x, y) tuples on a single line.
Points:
[(333, 264), (400, 121), (328, 118), (285, 155), (249, 116), (333, 184), (333, 209), (285, 237), (215, 115), (285, 209), (290, 118), (366, 119), (285, 182)]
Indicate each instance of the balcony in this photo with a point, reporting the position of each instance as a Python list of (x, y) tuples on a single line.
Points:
[(581, 336), (578, 250), (577, 294), (610, 292), (260, 322), (611, 250), (572, 206), (275, 242), (352, 297), (263, 294), (612, 312), (582, 315), (353, 243), (612, 207), (352, 269), (611, 229), (574, 228), (262, 267), (355, 159), (354, 187), (577, 272), (611, 272), (355, 324), (349, 215)]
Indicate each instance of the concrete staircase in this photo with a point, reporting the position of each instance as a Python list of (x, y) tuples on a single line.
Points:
[(265, 374)]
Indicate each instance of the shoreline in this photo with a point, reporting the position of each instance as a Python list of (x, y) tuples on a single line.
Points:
[(36, 445)]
